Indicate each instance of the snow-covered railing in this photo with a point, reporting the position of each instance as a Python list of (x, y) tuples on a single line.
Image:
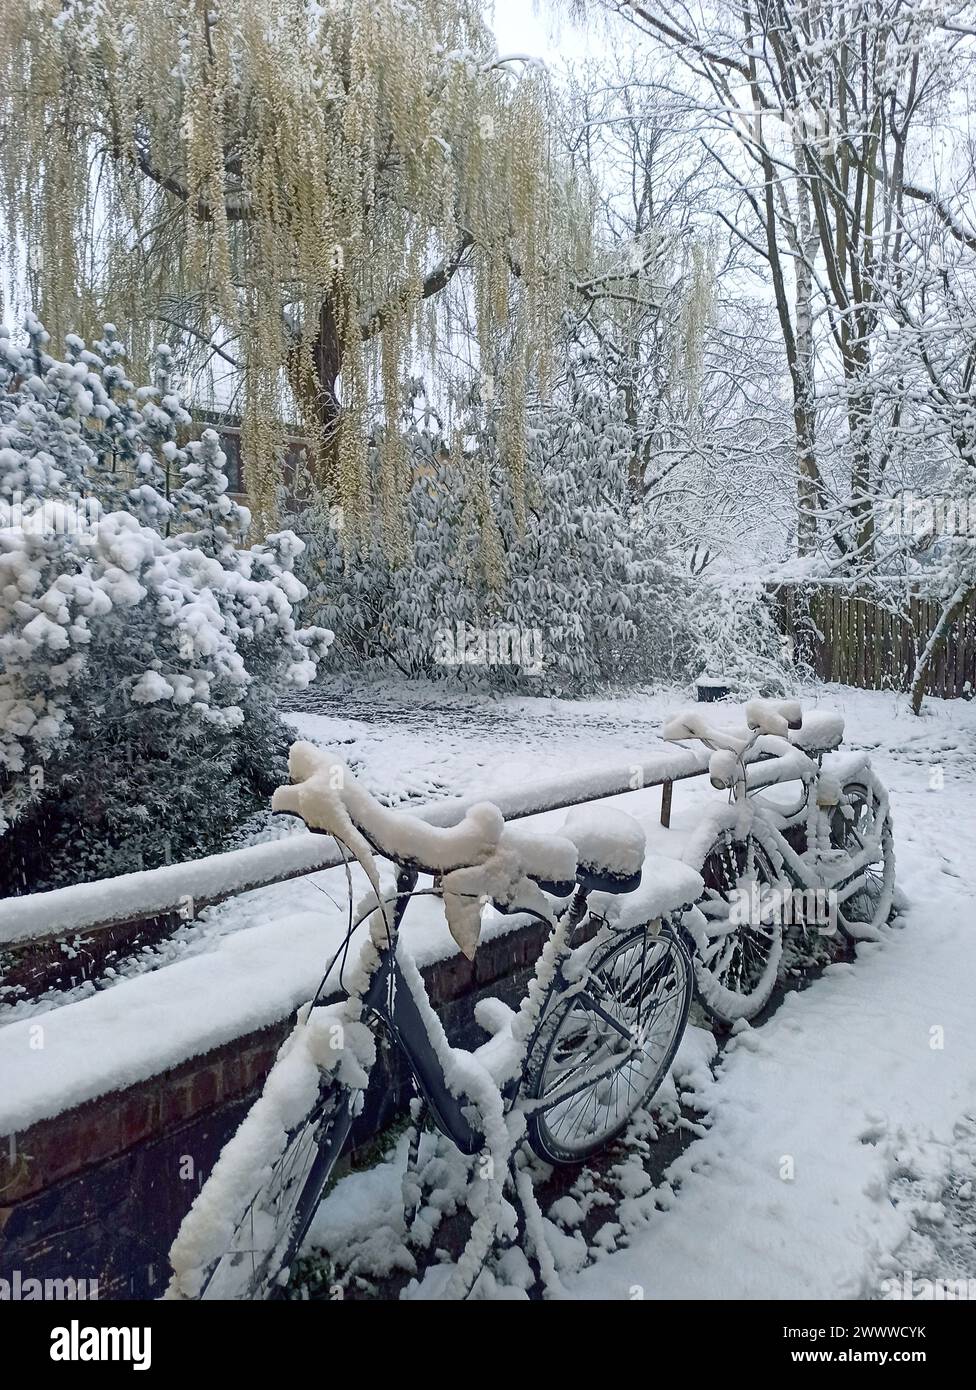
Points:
[(188, 887)]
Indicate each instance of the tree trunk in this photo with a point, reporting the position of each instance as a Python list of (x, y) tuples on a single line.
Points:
[(327, 356), (856, 371), (808, 482), (315, 388), (798, 344), (950, 612)]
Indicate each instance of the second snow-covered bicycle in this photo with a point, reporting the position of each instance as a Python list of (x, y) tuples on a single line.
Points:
[(818, 860)]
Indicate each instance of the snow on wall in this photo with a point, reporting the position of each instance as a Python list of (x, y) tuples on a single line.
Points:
[(252, 979), (161, 890)]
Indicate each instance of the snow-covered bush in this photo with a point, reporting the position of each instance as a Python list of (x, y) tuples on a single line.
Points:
[(560, 601), (138, 670), (737, 640)]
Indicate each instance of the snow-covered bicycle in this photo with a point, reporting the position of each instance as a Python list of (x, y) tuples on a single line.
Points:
[(590, 1043), (821, 860)]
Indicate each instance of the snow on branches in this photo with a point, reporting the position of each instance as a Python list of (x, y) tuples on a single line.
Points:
[(572, 594), (346, 183)]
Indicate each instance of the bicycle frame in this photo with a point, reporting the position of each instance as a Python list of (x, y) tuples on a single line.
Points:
[(390, 998)]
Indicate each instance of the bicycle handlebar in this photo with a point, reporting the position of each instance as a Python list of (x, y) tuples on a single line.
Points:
[(329, 799), (479, 859), (691, 724), (774, 717)]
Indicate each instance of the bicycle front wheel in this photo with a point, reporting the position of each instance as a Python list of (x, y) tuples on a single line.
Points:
[(736, 971), (251, 1234), (865, 832), (602, 1052)]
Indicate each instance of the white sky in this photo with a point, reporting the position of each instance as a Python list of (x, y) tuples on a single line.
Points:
[(523, 26)]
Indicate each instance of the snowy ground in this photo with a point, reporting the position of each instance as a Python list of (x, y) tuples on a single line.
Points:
[(836, 1143)]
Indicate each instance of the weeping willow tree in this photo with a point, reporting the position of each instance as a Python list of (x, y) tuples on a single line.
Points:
[(320, 192)]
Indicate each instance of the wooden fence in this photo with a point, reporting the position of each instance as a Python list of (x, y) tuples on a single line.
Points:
[(854, 639)]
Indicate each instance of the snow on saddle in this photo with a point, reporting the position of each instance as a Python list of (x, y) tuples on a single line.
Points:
[(610, 847)]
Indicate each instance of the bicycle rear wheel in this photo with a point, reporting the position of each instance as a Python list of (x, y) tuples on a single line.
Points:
[(602, 1053)]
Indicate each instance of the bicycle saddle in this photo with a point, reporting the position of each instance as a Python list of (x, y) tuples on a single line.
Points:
[(822, 732), (610, 848)]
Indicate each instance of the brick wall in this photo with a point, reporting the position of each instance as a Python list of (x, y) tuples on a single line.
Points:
[(99, 1191)]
